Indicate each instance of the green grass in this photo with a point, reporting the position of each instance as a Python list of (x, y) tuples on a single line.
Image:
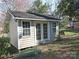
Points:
[(70, 33), (26, 53), (64, 49)]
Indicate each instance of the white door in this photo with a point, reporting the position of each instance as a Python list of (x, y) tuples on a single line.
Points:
[(41, 31)]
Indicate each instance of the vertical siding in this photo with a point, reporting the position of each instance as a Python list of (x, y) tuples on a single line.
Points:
[(13, 33)]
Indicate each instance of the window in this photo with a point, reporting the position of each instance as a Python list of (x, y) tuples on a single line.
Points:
[(54, 24), (26, 28), (53, 29), (38, 31), (45, 30)]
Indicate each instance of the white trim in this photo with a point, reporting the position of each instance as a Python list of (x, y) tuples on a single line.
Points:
[(42, 32), (17, 32), (35, 31), (27, 28), (48, 30), (57, 29), (42, 36), (35, 19)]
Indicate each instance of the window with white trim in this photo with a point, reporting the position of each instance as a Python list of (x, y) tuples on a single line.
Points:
[(38, 31), (45, 31), (26, 28), (53, 25)]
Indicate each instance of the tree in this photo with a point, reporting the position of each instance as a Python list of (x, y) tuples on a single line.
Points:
[(66, 7), (6, 23), (77, 6), (18, 5), (39, 7)]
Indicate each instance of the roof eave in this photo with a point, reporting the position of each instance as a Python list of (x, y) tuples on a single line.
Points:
[(35, 19)]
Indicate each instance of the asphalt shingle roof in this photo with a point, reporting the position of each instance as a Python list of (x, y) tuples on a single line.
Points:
[(32, 15)]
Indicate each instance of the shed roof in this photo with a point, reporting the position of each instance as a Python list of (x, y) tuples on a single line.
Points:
[(33, 15)]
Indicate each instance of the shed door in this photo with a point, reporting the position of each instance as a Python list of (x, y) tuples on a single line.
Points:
[(42, 31)]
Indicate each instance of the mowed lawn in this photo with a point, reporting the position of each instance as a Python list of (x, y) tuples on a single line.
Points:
[(64, 49), (69, 32)]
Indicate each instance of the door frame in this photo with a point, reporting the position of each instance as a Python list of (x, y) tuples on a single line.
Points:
[(41, 23)]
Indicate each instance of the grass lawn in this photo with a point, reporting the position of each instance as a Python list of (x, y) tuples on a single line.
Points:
[(64, 49), (70, 32)]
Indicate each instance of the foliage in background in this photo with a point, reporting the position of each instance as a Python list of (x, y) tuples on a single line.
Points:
[(6, 23), (6, 27), (67, 8), (39, 7), (64, 23)]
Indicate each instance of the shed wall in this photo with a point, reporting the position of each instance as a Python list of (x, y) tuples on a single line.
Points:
[(13, 33), (29, 41)]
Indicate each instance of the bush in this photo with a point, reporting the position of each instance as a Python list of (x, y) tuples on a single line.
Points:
[(61, 32), (4, 45)]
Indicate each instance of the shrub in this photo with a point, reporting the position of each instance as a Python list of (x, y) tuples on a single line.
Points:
[(4, 44), (61, 32)]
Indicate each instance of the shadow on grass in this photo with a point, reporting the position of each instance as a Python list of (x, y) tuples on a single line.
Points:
[(32, 55), (52, 55), (12, 50), (64, 49), (70, 30), (67, 41)]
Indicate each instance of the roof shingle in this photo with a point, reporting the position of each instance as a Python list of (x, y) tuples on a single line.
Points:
[(32, 15)]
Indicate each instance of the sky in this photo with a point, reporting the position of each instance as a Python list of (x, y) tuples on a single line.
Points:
[(53, 2), (3, 7)]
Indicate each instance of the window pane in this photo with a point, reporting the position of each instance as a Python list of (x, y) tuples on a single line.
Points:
[(38, 31), (26, 24), (26, 28), (54, 24), (26, 32), (45, 31)]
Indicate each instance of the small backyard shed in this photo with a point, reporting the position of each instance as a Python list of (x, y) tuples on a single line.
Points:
[(29, 29)]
